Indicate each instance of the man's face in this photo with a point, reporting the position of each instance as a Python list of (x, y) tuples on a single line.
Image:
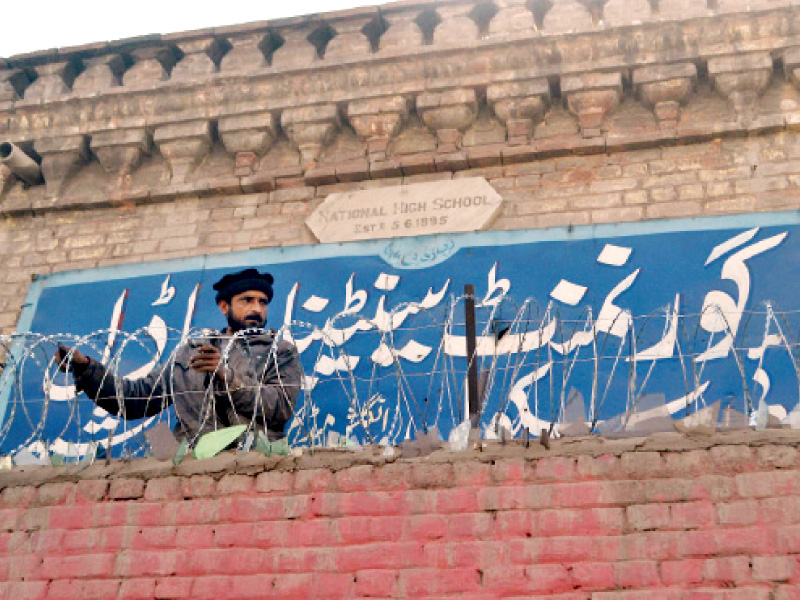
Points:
[(247, 310)]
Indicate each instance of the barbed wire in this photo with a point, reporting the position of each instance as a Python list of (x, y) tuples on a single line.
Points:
[(385, 380)]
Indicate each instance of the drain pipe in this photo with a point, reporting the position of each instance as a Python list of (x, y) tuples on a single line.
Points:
[(19, 163)]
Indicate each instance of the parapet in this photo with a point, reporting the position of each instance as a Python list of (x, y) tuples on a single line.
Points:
[(401, 89)]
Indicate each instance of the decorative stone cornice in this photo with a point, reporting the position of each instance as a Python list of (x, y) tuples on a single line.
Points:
[(665, 88), (200, 58), (520, 105), (310, 128), (120, 151), (102, 73), (741, 78), (12, 82), (184, 145), (246, 54), (248, 133), (61, 157), (592, 96), (377, 121), (152, 64), (448, 114), (52, 79), (418, 92)]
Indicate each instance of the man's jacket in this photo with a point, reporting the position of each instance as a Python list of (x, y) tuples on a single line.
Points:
[(263, 378)]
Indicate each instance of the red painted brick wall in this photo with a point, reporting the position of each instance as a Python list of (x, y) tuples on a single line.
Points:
[(668, 518)]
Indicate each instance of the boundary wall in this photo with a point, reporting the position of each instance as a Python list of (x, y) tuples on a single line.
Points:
[(668, 517)]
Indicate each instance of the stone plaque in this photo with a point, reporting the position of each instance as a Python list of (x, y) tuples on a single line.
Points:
[(449, 206)]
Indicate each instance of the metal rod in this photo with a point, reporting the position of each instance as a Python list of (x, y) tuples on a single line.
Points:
[(472, 365)]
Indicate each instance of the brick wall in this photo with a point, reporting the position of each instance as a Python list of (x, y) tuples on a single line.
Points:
[(226, 139), (717, 177), (669, 517)]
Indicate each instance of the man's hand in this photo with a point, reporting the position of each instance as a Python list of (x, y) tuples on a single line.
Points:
[(207, 360), (78, 361)]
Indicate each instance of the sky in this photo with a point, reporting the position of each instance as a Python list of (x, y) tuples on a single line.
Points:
[(43, 24)]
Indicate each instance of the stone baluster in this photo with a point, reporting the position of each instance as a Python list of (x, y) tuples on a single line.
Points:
[(513, 18), (101, 73), (296, 50), (246, 54), (200, 58), (247, 137), (680, 9), (310, 129), (53, 79), (456, 27), (152, 65), (567, 16), (737, 6), (597, 9), (120, 151), (741, 78), (664, 88), (791, 65), (402, 32), (520, 105), (12, 85), (377, 121), (591, 97), (626, 12), (350, 40), (448, 114), (184, 145), (61, 158)]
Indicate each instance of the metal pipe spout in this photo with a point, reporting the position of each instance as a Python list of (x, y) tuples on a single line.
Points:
[(22, 166)]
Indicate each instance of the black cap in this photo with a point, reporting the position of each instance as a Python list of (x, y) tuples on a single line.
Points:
[(243, 281)]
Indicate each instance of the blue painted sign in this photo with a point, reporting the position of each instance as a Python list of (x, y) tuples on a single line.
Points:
[(696, 310)]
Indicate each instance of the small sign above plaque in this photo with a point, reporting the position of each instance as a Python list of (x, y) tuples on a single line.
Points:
[(450, 206)]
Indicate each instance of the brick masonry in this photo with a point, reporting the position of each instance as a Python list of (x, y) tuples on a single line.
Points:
[(226, 139), (667, 517), (717, 177)]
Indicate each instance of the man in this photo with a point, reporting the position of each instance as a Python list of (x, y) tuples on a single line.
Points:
[(260, 379)]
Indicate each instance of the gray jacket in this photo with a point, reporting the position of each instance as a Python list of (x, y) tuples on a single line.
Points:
[(263, 381)]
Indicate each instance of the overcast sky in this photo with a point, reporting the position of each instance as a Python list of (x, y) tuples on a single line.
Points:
[(27, 25)]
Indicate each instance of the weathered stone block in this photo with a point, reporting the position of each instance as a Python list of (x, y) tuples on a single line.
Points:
[(349, 41), (310, 128), (102, 73), (61, 158), (120, 151), (520, 105), (12, 84), (591, 97), (741, 78), (626, 12), (184, 145), (567, 16), (738, 63), (248, 133), (53, 79), (448, 114), (296, 50), (378, 119), (403, 32), (247, 53), (201, 57), (152, 64), (791, 65), (455, 25), (665, 87), (511, 20)]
